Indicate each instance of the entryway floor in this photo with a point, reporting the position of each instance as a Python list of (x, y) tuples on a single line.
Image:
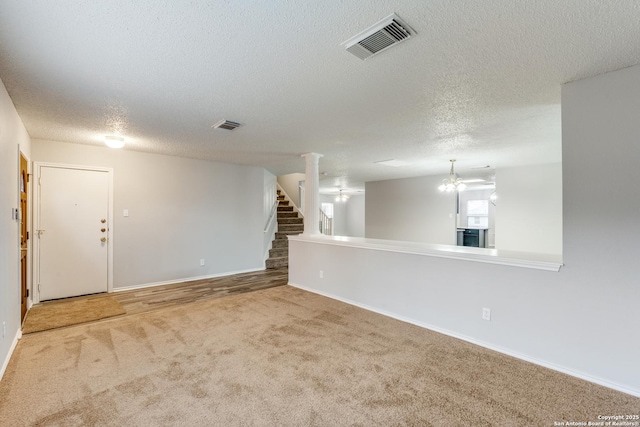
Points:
[(152, 298)]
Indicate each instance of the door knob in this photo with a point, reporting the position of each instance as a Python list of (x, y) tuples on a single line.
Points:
[(103, 239), (103, 220), (103, 229)]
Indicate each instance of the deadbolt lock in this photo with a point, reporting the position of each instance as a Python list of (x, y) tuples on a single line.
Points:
[(103, 239)]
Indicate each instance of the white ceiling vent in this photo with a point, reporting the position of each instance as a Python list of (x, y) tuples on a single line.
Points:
[(226, 124), (380, 36)]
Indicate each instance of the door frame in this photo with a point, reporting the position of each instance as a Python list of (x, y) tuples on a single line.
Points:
[(36, 221), (29, 214)]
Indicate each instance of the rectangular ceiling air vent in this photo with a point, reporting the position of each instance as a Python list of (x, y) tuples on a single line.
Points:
[(226, 124), (380, 36)]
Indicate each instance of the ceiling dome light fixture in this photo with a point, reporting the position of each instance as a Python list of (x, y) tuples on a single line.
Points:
[(453, 183), (342, 197), (114, 141)]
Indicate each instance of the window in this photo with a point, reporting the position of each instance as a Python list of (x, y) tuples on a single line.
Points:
[(478, 213)]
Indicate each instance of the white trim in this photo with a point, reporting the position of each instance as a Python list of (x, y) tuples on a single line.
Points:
[(186, 279), (35, 253), (36, 218), (576, 374), (488, 256), (111, 222), (30, 244), (5, 364)]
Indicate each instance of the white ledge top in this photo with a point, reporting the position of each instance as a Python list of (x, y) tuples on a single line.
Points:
[(489, 256)]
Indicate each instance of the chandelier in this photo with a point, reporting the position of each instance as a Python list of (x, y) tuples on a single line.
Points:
[(453, 183)]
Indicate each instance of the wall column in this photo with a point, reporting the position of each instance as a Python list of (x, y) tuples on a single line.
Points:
[(312, 194)]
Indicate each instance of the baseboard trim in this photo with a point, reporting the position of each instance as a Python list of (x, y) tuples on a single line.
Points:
[(186, 279), (5, 364), (535, 361)]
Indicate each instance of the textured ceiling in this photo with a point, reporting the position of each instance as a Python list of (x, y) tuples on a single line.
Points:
[(480, 82)]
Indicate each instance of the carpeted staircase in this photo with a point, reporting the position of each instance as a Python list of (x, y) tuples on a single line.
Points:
[(288, 224)]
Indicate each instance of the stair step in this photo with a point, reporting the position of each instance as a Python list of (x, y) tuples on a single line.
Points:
[(290, 214), (277, 262), (288, 224), (291, 227), (280, 243), (279, 252), (284, 234), (290, 220)]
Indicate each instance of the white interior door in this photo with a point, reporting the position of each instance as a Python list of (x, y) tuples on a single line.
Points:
[(73, 232)]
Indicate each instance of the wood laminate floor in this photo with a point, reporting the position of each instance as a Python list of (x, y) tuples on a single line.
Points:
[(147, 299), (155, 297)]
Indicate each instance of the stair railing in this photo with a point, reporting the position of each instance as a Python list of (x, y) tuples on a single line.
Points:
[(272, 216), (326, 224)]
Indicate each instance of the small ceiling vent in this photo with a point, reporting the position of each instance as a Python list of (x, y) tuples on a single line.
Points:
[(226, 124), (380, 36)]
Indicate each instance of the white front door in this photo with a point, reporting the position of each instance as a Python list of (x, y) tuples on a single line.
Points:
[(73, 230)]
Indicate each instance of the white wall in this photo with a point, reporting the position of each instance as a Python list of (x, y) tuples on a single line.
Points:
[(582, 320), (12, 135), (529, 209), (410, 209), (348, 217), (355, 216), (290, 183), (180, 211), (601, 150), (529, 200)]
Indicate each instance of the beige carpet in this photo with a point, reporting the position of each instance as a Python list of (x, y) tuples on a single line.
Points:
[(281, 357), (57, 314)]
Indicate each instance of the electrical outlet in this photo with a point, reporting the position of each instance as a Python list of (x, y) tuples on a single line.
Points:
[(125, 212), (486, 313), (202, 262), (321, 274)]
